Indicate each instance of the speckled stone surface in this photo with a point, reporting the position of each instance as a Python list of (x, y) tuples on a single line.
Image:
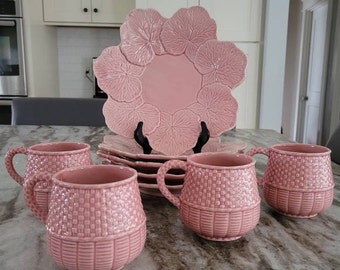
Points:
[(277, 242)]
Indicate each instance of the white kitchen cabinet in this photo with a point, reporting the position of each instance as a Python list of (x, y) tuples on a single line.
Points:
[(166, 7), (237, 20), (87, 12)]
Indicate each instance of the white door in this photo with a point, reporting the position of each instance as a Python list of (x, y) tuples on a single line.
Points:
[(312, 96)]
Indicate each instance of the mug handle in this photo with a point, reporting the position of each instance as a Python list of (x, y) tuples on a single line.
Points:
[(166, 166), (30, 198), (259, 150), (9, 163)]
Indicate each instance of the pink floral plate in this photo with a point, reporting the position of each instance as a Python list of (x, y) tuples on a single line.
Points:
[(150, 187), (156, 192), (144, 168), (148, 182), (168, 176), (155, 186), (127, 148), (170, 74)]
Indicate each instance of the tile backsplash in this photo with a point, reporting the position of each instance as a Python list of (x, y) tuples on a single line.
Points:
[(76, 48)]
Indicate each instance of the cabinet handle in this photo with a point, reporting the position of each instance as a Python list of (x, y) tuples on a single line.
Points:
[(85, 9), (95, 10)]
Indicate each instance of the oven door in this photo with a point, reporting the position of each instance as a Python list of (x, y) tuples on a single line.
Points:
[(12, 70)]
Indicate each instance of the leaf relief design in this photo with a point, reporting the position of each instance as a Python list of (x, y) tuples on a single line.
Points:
[(124, 72), (140, 36), (117, 77), (221, 61), (217, 107), (122, 118), (179, 130), (187, 30)]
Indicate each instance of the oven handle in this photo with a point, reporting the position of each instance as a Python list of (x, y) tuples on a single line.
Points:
[(7, 23)]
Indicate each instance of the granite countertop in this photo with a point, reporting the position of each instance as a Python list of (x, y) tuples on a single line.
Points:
[(277, 242)]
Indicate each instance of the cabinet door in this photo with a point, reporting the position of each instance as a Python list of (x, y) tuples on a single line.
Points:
[(247, 93), (166, 7), (67, 10), (237, 20), (111, 11)]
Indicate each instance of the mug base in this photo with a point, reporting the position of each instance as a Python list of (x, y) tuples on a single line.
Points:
[(296, 216), (220, 239)]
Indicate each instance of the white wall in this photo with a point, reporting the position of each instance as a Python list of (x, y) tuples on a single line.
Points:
[(274, 55), (40, 52), (76, 47), (291, 85)]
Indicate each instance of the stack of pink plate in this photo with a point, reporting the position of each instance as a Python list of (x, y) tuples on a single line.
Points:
[(135, 76), (116, 149)]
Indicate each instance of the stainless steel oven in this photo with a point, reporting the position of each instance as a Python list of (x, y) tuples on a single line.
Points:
[(12, 66)]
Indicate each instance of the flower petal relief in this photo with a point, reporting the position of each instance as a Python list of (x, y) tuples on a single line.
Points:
[(217, 108), (177, 131), (140, 36), (187, 30), (116, 76), (123, 117), (221, 61)]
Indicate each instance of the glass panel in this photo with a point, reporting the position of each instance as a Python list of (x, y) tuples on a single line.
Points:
[(9, 60), (7, 7)]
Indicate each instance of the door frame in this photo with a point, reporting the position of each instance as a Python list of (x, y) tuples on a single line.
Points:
[(308, 9), (332, 110)]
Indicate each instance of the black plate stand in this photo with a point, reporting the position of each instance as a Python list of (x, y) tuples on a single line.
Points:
[(144, 142)]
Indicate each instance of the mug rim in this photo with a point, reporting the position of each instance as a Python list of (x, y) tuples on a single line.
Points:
[(191, 159), (323, 150), (81, 148), (110, 184)]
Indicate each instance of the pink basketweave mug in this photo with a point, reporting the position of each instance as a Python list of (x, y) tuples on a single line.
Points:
[(95, 218), (220, 199), (298, 180), (48, 158)]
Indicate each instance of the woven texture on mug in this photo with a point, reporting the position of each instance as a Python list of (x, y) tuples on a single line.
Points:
[(219, 188), (299, 172), (104, 254), (77, 212), (54, 163), (220, 224), (298, 203)]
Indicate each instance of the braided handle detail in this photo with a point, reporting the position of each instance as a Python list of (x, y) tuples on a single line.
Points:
[(259, 150), (171, 164), (9, 163), (30, 198)]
